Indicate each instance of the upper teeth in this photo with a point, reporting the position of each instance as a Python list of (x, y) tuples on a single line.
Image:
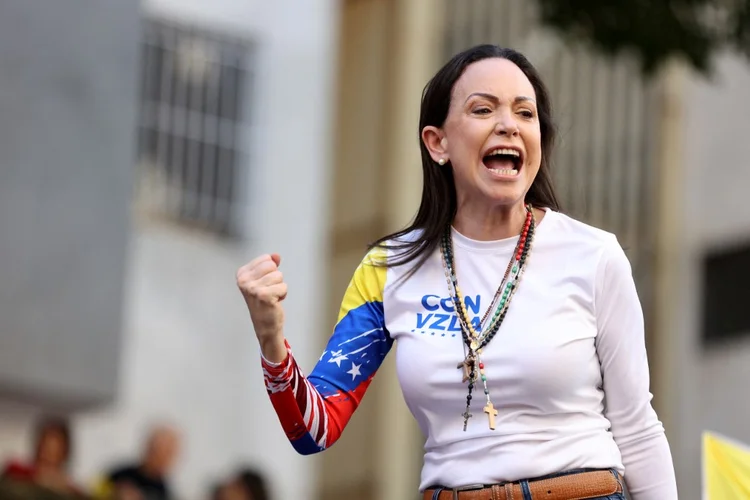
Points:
[(503, 151)]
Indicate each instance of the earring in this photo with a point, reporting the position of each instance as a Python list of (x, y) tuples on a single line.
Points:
[(442, 161)]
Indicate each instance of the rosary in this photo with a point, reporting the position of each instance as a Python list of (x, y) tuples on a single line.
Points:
[(472, 365)]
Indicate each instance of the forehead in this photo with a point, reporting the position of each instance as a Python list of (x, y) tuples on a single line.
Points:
[(496, 76)]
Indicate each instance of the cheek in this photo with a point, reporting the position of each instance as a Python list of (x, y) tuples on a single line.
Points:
[(534, 150), (466, 137), (458, 146), (463, 156), (536, 157)]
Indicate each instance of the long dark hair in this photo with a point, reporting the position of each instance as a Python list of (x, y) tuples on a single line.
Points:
[(438, 206)]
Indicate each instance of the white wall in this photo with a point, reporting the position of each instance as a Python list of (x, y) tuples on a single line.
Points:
[(188, 357), (15, 431), (712, 385), (67, 115), (240, 17), (288, 209)]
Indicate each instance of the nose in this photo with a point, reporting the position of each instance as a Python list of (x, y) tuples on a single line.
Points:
[(506, 125)]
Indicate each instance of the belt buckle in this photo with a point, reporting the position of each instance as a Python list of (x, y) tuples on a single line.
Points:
[(470, 487)]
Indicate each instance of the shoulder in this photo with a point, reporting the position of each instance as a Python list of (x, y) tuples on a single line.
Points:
[(401, 240), (17, 469), (370, 275), (581, 232), (582, 238), (381, 263), (595, 248), (124, 472), (388, 251), (611, 259)]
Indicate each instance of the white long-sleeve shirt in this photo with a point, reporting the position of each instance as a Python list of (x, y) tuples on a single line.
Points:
[(567, 370)]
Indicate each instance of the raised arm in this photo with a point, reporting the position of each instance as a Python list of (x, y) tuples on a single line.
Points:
[(649, 473), (314, 410)]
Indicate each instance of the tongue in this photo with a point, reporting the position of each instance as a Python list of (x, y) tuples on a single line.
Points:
[(499, 163)]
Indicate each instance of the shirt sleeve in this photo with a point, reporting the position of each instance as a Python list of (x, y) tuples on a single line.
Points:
[(314, 410), (649, 472)]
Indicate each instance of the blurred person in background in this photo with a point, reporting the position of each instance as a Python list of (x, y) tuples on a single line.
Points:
[(49, 465), (501, 306), (148, 479), (248, 484), (227, 490), (254, 484)]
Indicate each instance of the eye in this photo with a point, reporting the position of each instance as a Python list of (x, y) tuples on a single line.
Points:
[(526, 113), (482, 111)]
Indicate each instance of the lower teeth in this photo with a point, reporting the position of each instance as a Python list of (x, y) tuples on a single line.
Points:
[(505, 171)]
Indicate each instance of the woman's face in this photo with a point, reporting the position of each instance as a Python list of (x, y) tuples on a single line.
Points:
[(491, 134), (52, 448)]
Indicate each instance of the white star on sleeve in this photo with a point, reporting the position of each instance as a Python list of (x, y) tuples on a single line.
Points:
[(354, 372), (338, 359)]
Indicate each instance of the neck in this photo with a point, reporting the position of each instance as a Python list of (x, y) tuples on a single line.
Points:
[(47, 465), (490, 223)]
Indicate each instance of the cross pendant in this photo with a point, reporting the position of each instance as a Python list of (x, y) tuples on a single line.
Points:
[(467, 364), (491, 414), (466, 416)]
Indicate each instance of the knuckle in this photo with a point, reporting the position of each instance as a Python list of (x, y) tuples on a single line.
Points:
[(243, 281)]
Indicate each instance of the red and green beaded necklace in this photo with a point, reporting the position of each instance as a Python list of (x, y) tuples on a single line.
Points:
[(477, 340)]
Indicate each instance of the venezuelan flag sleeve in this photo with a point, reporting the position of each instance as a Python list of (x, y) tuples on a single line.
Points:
[(314, 410)]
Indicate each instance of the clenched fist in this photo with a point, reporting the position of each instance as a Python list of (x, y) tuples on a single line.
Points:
[(262, 285)]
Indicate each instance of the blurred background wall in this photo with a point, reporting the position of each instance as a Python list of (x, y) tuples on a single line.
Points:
[(185, 161), (148, 150), (67, 110), (709, 343)]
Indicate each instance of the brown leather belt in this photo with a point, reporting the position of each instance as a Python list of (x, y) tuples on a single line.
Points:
[(578, 486)]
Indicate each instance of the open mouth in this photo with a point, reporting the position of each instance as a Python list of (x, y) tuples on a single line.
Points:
[(503, 161)]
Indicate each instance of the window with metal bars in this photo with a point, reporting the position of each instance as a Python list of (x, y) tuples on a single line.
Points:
[(193, 85), (726, 316)]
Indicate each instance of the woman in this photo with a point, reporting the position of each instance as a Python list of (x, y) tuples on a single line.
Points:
[(521, 345), (51, 459)]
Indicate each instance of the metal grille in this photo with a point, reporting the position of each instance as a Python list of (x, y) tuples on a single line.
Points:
[(604, 164), (190, 119)]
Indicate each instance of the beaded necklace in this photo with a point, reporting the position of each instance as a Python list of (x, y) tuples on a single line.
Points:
[(477, 338)]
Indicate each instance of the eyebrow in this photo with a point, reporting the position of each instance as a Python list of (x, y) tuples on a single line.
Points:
[(490, 97)]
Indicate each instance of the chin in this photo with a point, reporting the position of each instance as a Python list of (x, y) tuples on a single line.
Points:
[(504, 195)]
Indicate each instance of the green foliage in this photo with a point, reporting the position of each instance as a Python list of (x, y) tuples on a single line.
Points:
[(654, 30)]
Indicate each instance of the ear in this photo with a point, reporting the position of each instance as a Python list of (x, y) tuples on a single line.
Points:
[(436, 143)]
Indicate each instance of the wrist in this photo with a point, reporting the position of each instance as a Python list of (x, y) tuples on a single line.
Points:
[(274, 349)]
